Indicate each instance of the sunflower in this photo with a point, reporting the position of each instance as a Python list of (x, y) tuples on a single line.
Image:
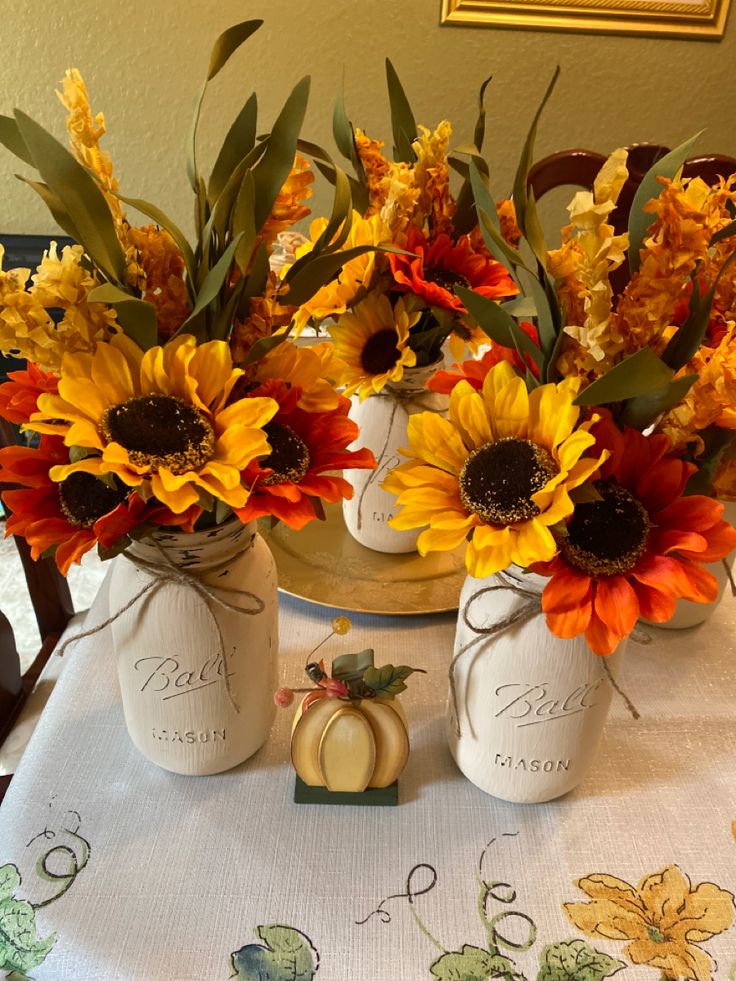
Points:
[(72, 516), (373, 343), (19, 395), (638, 549), (435, 268), (306, 448), (499, 471), (159, 421)]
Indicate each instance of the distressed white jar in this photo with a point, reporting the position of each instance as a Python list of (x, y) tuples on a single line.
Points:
[(689, 614), (530, 706), (383, 421), (186, 708)]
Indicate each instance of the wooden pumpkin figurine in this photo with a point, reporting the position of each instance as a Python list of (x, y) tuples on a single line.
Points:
[(350, 733)]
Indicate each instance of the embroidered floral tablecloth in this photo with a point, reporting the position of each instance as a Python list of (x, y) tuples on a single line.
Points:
[(111, 868)]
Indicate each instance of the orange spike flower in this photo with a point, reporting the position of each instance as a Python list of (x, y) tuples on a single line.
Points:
[(636, 551)]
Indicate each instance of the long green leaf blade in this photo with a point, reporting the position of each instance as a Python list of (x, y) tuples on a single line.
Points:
[(276, 163), (309, 277), (163, 220), (228, 43), (10, 137), (81, 195), (642, 373), (403, 125), (136, 317), (642, 410), (239, 141), (342, 131), (527, 155), (649, 188), (57, 209), (213, 280), (498, 325)]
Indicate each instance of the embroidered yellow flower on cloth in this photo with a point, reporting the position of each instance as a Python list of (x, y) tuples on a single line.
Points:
[(663, 919), (372, 342), (499, 470), (159, 421)]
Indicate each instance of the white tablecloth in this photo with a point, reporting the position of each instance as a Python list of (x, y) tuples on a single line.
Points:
[(175, 875)]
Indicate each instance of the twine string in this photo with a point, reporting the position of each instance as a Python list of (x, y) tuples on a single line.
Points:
[(399, 396), (531, 608), (168, 572)]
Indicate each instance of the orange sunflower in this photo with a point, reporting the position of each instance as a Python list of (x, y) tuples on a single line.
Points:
[(435, 268), (638, 549), (475, 370), (306, 450), (72, 516)]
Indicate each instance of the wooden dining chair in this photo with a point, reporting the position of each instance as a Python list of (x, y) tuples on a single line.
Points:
[(52, 607), (579, 168)]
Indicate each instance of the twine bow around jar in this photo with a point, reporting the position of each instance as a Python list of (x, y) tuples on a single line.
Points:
[(531, 608), (169, 572)]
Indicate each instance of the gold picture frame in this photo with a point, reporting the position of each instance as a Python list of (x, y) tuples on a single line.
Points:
[(703, 20)]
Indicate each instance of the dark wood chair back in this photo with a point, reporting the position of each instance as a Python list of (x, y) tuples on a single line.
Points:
[(52, 606), (579, 168)]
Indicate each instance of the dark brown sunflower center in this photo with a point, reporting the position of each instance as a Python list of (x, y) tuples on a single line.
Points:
[(380, 352), (160, 431), (289, 457), (445, 278), (607, 537), (83, 498), (498, 480)]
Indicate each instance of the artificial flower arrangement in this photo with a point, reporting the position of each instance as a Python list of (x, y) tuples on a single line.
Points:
[(394, 307), (589, 447), (167, 394)]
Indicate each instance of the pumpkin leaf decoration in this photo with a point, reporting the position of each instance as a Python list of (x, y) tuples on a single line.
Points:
[(388, 681)]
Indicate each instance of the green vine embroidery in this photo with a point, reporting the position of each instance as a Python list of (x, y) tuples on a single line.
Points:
[(286, 954), (21, 949)]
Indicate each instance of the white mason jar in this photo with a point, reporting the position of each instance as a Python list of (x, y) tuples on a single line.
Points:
[(383, 420), (529, 708), (196, 700), (689, 614)]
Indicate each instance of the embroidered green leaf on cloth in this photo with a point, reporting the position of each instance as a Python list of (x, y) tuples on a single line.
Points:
[(472, 964), (288, 955), (575, 960), (20, 948)]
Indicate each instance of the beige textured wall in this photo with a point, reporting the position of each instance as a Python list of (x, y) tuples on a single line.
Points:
[(143, 61)]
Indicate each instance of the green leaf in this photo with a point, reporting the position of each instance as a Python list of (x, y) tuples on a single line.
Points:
[(403, 126), (465, 216), (136, 317), (726, 232), (472, 964), (719, 447), (238, 143), (265, 345), (527, 156), (575, 960), (285, 955), (10, 137), (642, 411), (522, 307), (57, 209), (20, 949), (9, 881), (163, 220), (533, 232), (308, 274), (242, 221), (352, 667), (214, 280), (342, 130), (546, 325), (388, 681), (479, 133), (192, 138), (498, 325), (688, 338), (341, 218), (650, 188), (80, 194), (642, 373), (275, 164), (228, 43), (498, 246)]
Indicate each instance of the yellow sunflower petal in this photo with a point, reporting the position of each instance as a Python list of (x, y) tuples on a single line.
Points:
[(552, 416), (435, 440)]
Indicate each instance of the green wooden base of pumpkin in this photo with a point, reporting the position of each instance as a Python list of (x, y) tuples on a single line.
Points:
[(372, 797)]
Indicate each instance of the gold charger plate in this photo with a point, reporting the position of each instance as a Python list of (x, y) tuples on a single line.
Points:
[(324, 564)]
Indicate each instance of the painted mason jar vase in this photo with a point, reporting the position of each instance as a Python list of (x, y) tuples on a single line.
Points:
[(197, 651)]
